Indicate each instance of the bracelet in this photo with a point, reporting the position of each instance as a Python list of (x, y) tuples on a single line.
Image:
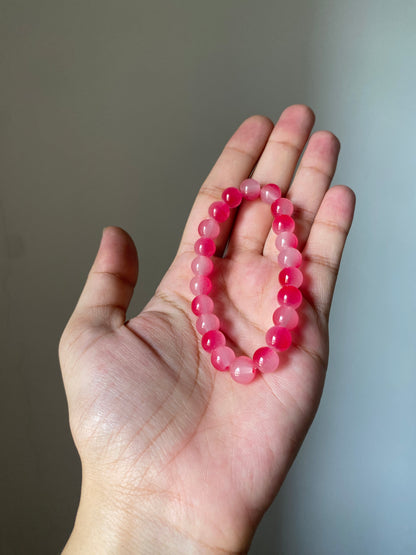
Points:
[(243, 369)]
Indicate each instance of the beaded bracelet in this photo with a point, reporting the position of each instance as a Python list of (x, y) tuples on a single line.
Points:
[(243, 369)]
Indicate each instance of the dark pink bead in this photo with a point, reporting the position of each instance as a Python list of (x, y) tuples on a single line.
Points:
[(242, 370), (279, 338), (200, 285), (202, 304), (205, 246), (202, 265), (270, 192), (290, 296), (222, 357), (232, 197), (290, 257), (286, 317), (282, 206), (250, 189), (286, 239), (283, 222), (209, 228), (207, 322), (266, 359), (291, 276), (219, 210), (212, 340)]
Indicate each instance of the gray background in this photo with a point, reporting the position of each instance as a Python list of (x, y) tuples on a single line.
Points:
[(112, 112)]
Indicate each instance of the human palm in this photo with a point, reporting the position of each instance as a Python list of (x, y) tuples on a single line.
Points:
[(157, 428)]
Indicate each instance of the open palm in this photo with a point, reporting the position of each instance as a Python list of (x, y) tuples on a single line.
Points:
[(160, 433)]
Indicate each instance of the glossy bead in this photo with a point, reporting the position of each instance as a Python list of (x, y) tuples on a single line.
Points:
[(200, 285), (282, 206), (202, 304), (286, 317), (291, 276), (222, 357), (279, 338), (232, 196), (202, 265), (290, 296), (212, 340), (219, 211), (242, 370), (207, 322), (266, 359), (209, 228), (270, 193), (205, 246), (290, 257), (250, 189), (283, 222), (286, 239)]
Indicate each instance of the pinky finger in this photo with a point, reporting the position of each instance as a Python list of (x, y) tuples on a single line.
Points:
[(323, 250)]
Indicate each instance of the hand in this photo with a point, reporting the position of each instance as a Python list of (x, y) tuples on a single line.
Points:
[(176, 456)]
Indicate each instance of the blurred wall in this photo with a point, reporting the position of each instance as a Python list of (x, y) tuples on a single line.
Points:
[(112, 113)]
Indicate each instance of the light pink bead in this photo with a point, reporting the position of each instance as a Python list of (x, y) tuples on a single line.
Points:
[(242, 370), (270, 193), (286, 239), (266, 359), (212, 340), (286, 317), (219, 210), (202, 304), (283, 222), (290, 296), (222, 357), (204, 246), (291, 276), (200, 285), (232, 196), (202, 265), (279, 338), (209, 228), (207, 322), (290, 257), (250, 189), (282, 206)]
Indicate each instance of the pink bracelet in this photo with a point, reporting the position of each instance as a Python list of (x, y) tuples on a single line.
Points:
[(243, 369)]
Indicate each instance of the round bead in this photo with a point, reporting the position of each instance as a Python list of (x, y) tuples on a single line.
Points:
[(202, 265), (286, 239), (212, 340), (283, 222), (219, 211), (209, 228), (222, 357), (202, 304), (290, 257), (270, 193), (290, 296), (200, 285), (279, 338), (286, 317), (232, 196), (282, 206), (250, 189), (242, 370), (291, 276), (205, 246), (266, 359), (207, 322)]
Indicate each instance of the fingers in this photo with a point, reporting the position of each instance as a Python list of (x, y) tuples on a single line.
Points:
[(323, 250), (276, 165), (111, 280), (234, 164)]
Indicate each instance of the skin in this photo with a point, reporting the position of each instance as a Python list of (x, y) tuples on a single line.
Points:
[(176, 456)]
